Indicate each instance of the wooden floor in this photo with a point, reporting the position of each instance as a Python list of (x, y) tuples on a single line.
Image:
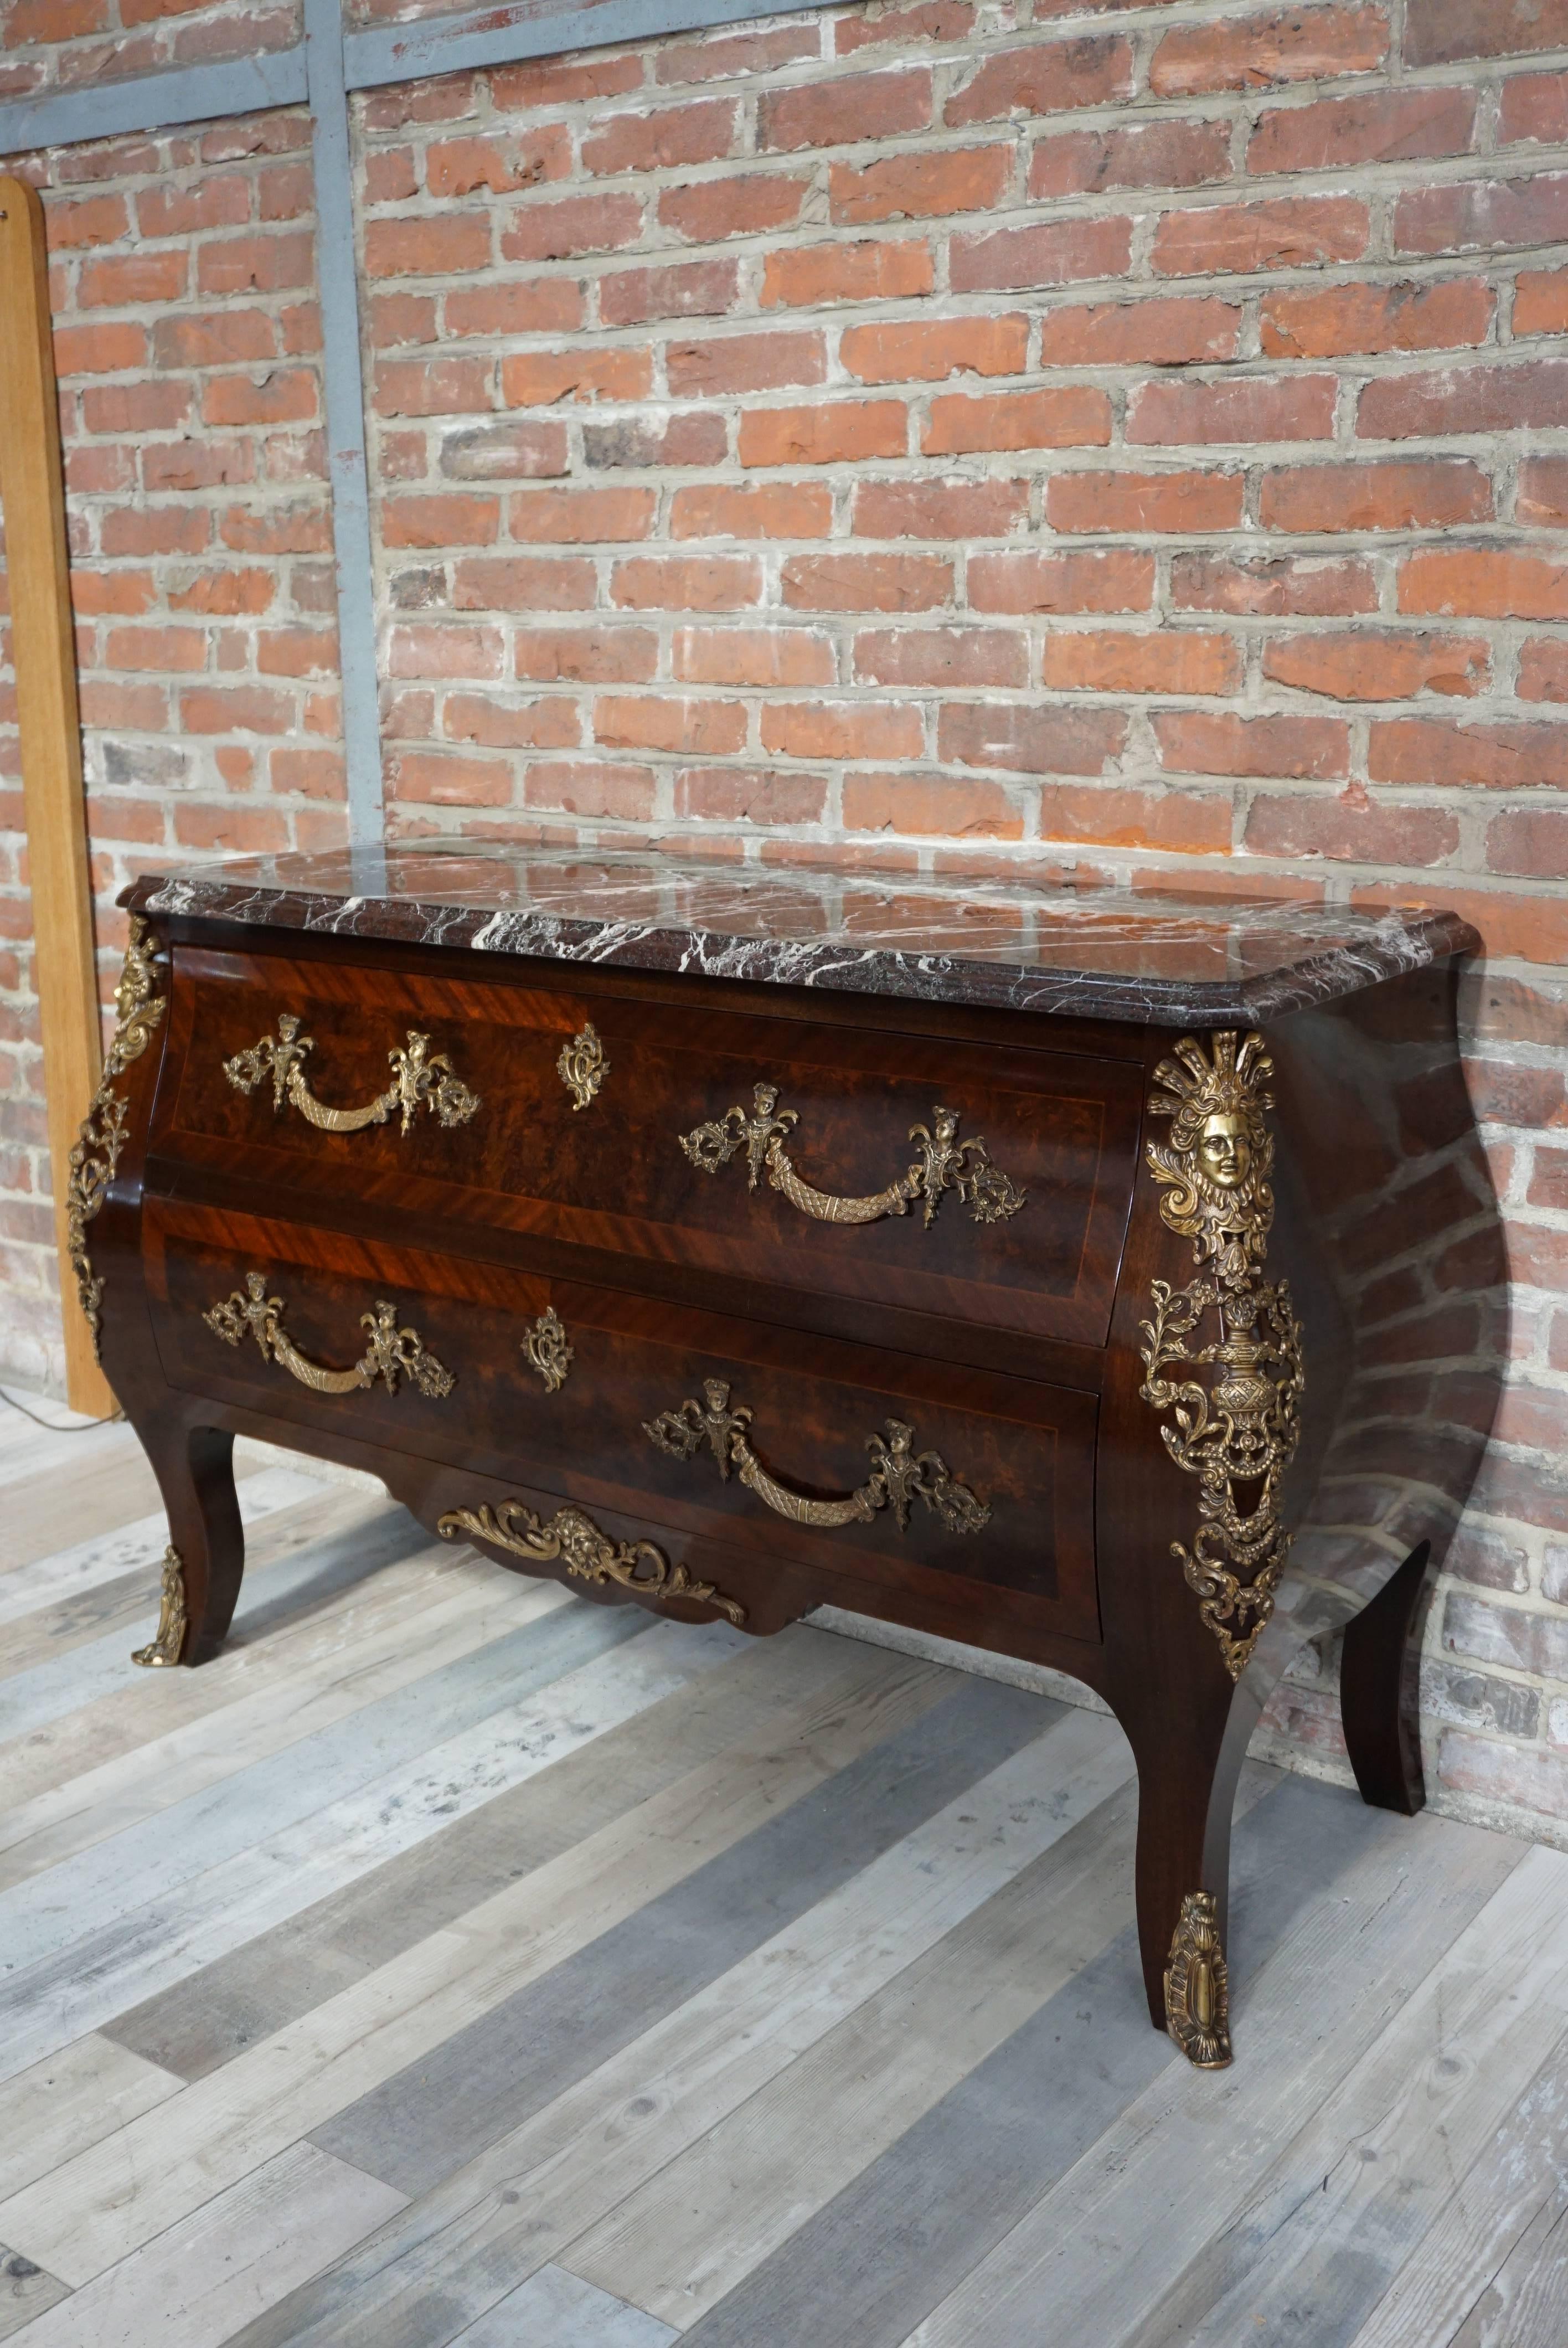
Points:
[(454, 1960)]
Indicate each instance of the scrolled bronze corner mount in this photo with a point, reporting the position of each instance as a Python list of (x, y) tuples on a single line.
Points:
[(164, 1646), (1197, 1985), (96, 1151), (1237, 1432)]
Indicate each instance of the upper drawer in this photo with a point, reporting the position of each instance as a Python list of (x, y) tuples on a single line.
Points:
[(763, 1148)]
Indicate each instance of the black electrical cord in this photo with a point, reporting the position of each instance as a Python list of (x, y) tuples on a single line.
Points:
[(48, 1426)]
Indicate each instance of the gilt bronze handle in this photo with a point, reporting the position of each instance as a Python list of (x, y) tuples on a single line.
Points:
[(420, 1078), (390, 1350), (944, 1164), (587, 1550), (899, 1473)]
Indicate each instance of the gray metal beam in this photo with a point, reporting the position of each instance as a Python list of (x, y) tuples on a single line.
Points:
[(160, 101), (534, 28), (337, 272)]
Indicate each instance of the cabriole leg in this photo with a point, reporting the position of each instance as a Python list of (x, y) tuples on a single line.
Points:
[(206, 1555), (1379, 1686)]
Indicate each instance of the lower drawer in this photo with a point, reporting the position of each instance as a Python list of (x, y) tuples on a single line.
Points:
[(863, 1464)]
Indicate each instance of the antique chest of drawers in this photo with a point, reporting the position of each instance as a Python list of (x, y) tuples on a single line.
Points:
[(1108, 1282)]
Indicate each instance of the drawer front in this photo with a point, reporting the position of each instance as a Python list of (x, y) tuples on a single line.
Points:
[(985, 1184), (860, 1463)]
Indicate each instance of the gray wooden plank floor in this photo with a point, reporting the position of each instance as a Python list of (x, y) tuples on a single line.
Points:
[(454, 1961)]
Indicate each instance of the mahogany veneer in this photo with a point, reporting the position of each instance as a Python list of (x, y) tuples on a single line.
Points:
[(625, 1362)]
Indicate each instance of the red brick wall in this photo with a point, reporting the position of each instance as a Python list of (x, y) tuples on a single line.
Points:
[(186, 337), (49, 45), (1132, 443)]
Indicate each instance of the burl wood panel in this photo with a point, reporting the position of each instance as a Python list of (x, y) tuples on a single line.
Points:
[(612, 1176), (1025, 1450)]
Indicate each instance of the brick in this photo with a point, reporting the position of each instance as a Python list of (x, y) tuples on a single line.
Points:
[(1248, 409), (1163, 332), (462, 387), (1372, 495), (1119, 580), (1484, 582), (286, 395), (955, 508), (1158, 154), (842, 729), (838, 432), (105, 349), (1282, 749), (918, 186), (216, 338), (1533, 107), (41, 22), (224, 595), (1067, 416), (1507, 758), (1443, 32), (1046, 78), (843, 110), (390, 176), (156, 405), (931, 20), (580, 789), (1542, 669), (1390, 126), (930, 805), (1348, 831), (753, 656), (1527, 395), (570, 226), (140, 708), (674, 582), (1549, 1187), (872, 269), (402, 318), (1251, 52), (235, 830), (749, 794), (541, 379), (667, 722), (579, 516), (521, 582), (756, 509), (1027, 740), (443, 246), (1541, 302), (504, 450), (1284, 233), (590, 656), (1531, 843), (440, 521), (866, 583), (96, 593), (1377, 664), (738, 363), (1185, 823), (1483, 215), (741, 205), (119, 281), (297, 651), (690, 289), (164, 210), (528, 305), (445, 648), (693, 439), (460, 166), (1113, 659), (277, 530), (1053, 252), (669, 139), (157, 648), (953, 658), (1144, 501), (236, 709), (261, 264), (440, 777), (565, 81), (718, 57), (1316, 588), (927, 351), (1453, 314), (155, 529)]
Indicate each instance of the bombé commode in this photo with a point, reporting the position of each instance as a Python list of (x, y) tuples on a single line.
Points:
[(1108, 1281)]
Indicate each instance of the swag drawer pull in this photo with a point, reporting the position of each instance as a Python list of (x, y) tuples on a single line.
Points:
[(944, 1164), (390, 1350), (420, 1078), (899, 1473)]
